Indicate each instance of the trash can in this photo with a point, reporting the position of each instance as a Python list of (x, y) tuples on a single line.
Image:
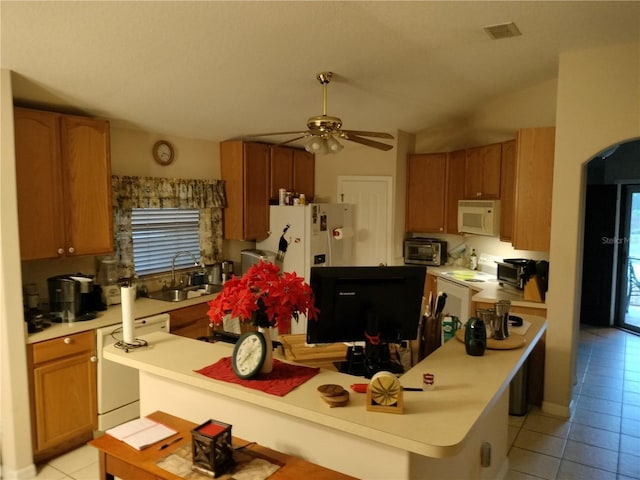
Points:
[(518, 403)]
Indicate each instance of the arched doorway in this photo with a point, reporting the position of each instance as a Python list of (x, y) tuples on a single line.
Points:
[(610, 295)]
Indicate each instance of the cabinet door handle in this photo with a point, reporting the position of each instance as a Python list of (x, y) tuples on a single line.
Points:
[(72, 250), (60, 251), (93, 359), (67, 341)]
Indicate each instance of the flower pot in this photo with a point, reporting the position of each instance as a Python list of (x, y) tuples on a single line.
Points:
[(267, 366)]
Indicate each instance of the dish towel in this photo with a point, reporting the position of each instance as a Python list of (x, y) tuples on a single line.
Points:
[(284, 377)]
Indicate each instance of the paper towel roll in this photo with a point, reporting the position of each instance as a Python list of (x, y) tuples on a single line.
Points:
[(128, 297), (342, 233)]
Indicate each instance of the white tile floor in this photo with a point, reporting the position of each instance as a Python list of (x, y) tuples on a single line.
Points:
[(600, 442), (602, 439)]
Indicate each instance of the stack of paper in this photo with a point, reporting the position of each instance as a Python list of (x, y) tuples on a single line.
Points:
[(141, 433)]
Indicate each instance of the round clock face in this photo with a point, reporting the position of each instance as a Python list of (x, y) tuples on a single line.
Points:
[(385, 388), (249, 354), (163, 152)]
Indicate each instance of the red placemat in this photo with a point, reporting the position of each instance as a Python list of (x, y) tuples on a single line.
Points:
[(284, 377)]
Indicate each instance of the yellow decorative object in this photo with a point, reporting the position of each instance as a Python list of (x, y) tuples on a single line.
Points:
[(384, 393)]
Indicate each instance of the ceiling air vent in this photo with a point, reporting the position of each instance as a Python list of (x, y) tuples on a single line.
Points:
[(504, 30)]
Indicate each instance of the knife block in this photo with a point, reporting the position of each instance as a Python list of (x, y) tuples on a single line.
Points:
[(532, 291)]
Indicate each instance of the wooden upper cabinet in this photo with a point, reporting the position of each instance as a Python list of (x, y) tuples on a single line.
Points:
[(507, 190), (304, 173), (482, 172), (533, 189), (87, 185), (426, 184), (455, 188), (63, 176), (245, 171), (281, 171), (292, 169)]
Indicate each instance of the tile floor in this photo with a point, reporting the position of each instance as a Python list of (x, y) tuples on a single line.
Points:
[(600, 442), (602, 439)]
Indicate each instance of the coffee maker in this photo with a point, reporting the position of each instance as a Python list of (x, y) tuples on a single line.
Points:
[(73, 298)]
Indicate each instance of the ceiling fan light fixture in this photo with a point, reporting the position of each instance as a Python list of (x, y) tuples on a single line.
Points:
[(314, 145), (323, 144), (333, 145)]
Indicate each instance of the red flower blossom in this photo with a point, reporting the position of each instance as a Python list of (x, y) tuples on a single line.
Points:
[(265, 296)]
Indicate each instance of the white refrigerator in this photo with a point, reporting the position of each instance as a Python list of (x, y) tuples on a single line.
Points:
[(317, 234)]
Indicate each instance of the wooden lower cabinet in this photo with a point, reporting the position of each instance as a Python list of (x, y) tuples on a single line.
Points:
[(63, 393), (190, 322)]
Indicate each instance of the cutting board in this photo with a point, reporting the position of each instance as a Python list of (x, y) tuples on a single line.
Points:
[(296, 350), (513, 341)]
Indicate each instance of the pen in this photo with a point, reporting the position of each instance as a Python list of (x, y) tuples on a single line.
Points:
[(168, 444)]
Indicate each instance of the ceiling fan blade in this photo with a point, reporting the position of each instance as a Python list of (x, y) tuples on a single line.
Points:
[(369, 134), (298, 132), (367, 142), (294, 139)]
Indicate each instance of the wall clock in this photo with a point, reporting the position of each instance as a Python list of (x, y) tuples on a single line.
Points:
[(163, 152)]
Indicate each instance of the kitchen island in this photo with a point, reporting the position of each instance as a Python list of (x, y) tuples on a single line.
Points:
[(439, 435)]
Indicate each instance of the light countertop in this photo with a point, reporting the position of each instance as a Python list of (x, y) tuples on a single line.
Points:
[(143, 307), (434, 424), (488, 291)]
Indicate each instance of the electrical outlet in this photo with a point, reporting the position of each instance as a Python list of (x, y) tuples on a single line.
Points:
[(485, 455)]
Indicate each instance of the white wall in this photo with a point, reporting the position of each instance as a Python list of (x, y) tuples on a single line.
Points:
[(131, 155), (598, 105), (496, 121), (14, 391)]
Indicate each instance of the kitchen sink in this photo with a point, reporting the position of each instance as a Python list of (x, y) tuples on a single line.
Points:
[(181, 294)]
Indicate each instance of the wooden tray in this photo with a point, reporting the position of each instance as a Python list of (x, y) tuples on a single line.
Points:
[(319, 356), (513, 341)]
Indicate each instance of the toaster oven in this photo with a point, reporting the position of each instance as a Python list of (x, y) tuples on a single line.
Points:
[(514, 272), (425, 251)]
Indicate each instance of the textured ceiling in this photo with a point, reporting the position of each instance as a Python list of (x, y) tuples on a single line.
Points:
[(218, 70)]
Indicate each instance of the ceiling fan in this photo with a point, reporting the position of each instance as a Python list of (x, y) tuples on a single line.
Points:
[(324, 130)]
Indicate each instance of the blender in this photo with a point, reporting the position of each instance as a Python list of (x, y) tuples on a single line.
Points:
[(108, 279)]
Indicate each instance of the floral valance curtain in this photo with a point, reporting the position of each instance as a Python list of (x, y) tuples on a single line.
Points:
[(151, 192), (207, 196)]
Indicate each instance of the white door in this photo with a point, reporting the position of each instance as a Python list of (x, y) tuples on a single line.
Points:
[(372, 216)]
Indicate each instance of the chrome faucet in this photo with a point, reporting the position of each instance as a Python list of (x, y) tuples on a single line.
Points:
[(173, 265)]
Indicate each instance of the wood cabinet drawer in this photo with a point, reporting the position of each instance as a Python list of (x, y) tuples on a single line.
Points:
[(191, 322), (187, 315), (63, 346)]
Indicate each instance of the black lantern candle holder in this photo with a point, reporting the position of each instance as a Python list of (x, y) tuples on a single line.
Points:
[(211, 448)]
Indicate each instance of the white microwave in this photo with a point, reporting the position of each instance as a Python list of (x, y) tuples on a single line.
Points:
[(481, 217)]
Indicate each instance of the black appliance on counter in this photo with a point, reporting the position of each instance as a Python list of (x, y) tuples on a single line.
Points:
[(516, 272), (73, 298)]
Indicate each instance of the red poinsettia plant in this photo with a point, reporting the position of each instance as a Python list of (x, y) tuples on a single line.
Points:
[(265, 296)]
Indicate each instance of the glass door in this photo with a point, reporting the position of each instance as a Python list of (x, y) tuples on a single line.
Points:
[(628, 304)]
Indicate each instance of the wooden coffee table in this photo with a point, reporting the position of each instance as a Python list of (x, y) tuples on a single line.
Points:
[(119, 459)]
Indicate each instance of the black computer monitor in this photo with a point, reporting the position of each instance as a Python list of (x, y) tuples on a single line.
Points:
[(377, 305)]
